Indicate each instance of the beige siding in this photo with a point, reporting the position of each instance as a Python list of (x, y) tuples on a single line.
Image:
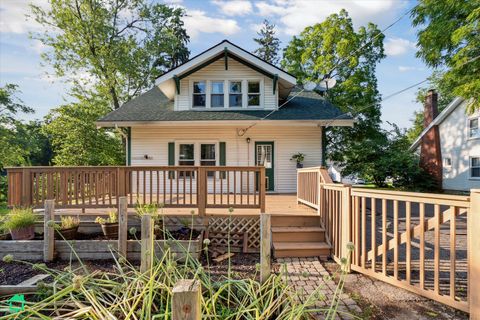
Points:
[(216, 71), (153, 141)]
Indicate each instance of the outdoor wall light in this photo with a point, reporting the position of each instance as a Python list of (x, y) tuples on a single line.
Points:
[(248, 140)]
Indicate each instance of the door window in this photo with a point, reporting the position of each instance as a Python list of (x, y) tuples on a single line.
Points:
[(264, 155)]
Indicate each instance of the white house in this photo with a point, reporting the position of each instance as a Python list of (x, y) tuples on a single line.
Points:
[(227, 107), (459, 146)]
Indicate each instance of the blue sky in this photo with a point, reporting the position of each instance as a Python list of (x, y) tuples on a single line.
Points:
[(209, 22)]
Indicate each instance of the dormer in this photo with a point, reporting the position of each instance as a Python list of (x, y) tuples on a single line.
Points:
[(226, 77)]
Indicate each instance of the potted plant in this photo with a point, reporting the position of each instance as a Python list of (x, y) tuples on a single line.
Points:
[(298, 157), (68, 228), (109, 225), (20, 223)]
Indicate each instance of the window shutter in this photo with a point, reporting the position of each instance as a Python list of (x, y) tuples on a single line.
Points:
[(223, 158), (171, 158)]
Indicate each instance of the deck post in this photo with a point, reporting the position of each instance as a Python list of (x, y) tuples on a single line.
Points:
[(345, 227), (186, 300), (262, 190), (48, 231), (146, 254), (202, 191), (473, 224), (265, 246), (122, 226)]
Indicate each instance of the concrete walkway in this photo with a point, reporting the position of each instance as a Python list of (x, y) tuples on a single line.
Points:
[(308, 274)]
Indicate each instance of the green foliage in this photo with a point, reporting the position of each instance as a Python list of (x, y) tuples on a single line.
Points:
[(75, 139), (268, 43), (386, 155), (298, 157), (445, 96), (68, 222), (448, 35), (19, 218), (112, 48), (334, 49), (112, 217)]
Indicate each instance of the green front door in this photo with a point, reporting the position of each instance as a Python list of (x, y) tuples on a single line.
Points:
[(264, 152)]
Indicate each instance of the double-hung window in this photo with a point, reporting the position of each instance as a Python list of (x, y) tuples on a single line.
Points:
[(253, 93), (475, 167), (199, 94), (474, 131), (235, 94), (216, 96)]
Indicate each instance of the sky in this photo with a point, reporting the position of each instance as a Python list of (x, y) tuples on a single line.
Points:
[(209, 22)]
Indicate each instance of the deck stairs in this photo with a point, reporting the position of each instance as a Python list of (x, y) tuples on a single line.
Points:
[(298, 236)]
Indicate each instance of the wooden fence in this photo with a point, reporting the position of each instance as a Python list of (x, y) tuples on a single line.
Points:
[(197, 187), (421, 242)]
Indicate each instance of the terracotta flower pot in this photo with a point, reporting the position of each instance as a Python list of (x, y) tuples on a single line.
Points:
[(27, 233), (110, 230), (67, 234)]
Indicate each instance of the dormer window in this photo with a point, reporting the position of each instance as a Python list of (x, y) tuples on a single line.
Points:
[(217, 97), (254, 93), (235, 94), (199, 94)]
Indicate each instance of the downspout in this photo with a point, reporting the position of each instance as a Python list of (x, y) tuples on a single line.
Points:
[(127, 138)]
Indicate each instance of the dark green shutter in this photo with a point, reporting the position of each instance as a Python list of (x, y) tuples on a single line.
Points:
[(171, 158), (223, 157)]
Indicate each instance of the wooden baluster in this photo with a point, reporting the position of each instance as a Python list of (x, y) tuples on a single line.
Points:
[(158, 186), (228, 187), (408, 213), (144, 178), (436, 283), (453, 251), (357, 231), (384, 236), (373, 213), (364, 232), (191, 192), (221, 186), (234, 187), (241, 187), (165, 186), (184, 184), (150, 187), (422, 246), (395, 237), (110, 187), (177, 193), (248, 187), (175, 173)]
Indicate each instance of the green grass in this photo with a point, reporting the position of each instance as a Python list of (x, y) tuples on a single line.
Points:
[(3, 209)]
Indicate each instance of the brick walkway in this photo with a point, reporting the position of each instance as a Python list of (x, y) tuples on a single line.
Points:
[(308, 274)]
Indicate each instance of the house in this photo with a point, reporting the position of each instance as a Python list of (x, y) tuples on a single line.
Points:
[(227, 107), (449, 146)]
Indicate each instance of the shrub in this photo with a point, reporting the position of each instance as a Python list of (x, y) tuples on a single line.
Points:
[(19, 218)]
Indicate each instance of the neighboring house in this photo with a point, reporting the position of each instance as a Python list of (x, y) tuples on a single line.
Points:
[(222, 108), (449, 146)]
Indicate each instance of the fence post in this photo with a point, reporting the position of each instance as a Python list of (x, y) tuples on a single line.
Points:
[(122, 226), (265, 246), (345, 227), (26, 188), (473, 224), (48, 231), (262, 190), (186, 300), (146, 254), (202, 191)]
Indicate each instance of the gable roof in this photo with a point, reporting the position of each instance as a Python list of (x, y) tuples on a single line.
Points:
[(225, 48), (154, 106), (438, 120)]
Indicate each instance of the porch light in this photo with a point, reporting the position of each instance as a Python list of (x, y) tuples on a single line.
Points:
[(248, 140)]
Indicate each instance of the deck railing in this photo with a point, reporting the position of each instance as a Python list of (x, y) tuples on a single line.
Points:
[(196, 187), (421, 242)]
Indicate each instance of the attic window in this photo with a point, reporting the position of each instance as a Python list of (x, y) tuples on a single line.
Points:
[(216, 96), (199, 94), (253, 93)]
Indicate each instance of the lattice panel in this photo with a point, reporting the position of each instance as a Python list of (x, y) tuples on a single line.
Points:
[(240, 225)]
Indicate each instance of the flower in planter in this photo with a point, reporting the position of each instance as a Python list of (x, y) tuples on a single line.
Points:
[(20, 222), (69, 222), (109, 225), (112, 218)]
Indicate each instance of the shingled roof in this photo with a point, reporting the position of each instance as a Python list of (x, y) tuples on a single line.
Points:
[(153, 105)]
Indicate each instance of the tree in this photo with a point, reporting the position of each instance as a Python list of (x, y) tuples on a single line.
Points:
[(268, 43), (76, 140), (445, 96), (333, 49), (449, 35), (112, 48)]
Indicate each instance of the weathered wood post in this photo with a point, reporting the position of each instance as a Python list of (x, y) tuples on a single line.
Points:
[(473, 224), (186, 300), (346, 227), (122, 226), (146, 254), (48, 231), (265, 246)]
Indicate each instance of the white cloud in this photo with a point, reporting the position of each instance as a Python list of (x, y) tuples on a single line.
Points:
[(295, 15), (409, 68), (398, 46), (173, 1), (234, 7), (13, 17), (197, 21)]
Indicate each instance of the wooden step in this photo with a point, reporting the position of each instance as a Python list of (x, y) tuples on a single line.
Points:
[(298, 234), (295, 221), (301, 249)]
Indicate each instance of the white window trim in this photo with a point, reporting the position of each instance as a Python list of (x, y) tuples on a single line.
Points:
[(469, 137), (445, 165), (470, 168), (226, 93), (261, 93), (196, 150)]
